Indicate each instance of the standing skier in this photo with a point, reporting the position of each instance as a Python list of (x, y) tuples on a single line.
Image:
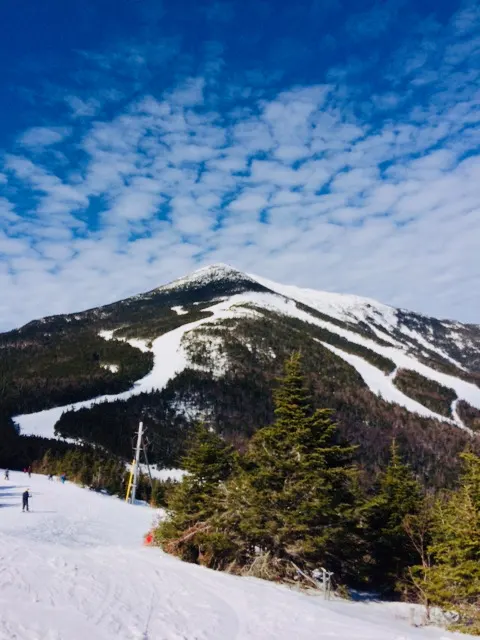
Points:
[(7, 474), (29, 470), (25, 496)]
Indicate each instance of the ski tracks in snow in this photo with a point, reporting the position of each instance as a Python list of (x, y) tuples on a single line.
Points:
[(75, 569)]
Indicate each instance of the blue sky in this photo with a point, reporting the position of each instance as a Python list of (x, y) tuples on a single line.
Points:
[(331, 144)]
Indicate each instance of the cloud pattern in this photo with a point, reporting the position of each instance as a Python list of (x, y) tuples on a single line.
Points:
[(335, 185)]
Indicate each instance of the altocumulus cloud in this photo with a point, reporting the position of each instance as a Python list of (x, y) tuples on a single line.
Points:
[(330, 185)]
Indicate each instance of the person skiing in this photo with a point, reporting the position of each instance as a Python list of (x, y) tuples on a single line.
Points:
[(25, 496), (29, 470), (7, 474)]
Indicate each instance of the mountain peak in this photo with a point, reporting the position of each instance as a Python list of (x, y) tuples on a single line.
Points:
[(217, 269), (217, 272)]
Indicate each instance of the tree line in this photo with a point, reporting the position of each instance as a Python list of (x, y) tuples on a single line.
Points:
[(100, 471)]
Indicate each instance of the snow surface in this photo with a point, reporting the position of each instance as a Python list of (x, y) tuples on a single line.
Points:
[(352, 308), (161, 474), (74, 568), (205, 275), (179, 310), (110, 367), (342, 306)]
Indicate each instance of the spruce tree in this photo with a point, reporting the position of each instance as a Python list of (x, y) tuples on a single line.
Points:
[(454, 580), (293, 499), (208, 463), (390, 547)]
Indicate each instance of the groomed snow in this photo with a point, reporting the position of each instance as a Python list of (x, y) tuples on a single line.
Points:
[(74, 568), (382, 384)]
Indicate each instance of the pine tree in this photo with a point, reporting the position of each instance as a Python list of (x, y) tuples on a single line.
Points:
[(391, 549), (454, 580), (208, 463), (293, 499)]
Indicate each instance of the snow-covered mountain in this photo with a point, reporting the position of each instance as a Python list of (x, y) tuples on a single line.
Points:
[(234, 329)]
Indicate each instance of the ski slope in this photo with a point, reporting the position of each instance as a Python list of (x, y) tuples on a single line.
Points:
[(74, 568), (169, 360)]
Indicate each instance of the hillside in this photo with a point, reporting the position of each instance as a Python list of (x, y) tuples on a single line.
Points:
[(74, 567), (210, 345)]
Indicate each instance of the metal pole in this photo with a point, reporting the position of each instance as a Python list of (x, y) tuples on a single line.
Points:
[(137, 461), (146, 462)]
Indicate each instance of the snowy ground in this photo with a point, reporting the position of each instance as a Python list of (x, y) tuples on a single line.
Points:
[(74, 569)]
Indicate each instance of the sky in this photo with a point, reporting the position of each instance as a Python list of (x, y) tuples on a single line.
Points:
[(331, 144)]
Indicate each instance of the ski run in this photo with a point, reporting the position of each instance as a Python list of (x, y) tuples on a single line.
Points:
[(75, 568)]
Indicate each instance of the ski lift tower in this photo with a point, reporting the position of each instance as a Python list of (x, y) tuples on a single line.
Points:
[(133, 480)]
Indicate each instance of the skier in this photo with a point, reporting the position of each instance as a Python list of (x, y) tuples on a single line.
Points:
[(25, 496), (50, 476), (7, 474), (29, 470)]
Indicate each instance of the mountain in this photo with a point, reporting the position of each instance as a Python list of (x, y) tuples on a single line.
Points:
[(210, 345)]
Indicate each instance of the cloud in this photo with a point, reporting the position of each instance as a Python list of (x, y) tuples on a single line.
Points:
[(38, 137), (83, 108), (320, 184)]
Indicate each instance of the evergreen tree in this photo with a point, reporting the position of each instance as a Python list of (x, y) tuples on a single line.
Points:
[(390, 547), (454, 580), (208, 463), (293, 499)]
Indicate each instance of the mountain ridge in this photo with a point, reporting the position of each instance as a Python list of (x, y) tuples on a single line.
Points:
[(210, 344)]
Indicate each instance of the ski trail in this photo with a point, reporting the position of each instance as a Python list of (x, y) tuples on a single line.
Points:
[(381, 384), (456, 417)]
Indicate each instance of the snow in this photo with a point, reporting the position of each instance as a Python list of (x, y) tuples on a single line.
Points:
[(106, 334), (169, 359), (456, 417), (111, 367), (417, 337), (161, 474), (75, 568), (179, 310), (341, 306), (382, 384), (134, 342), (205, 275)]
